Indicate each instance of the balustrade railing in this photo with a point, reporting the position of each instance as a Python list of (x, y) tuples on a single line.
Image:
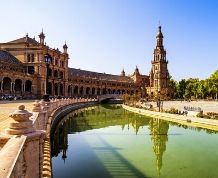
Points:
[(27, 151)]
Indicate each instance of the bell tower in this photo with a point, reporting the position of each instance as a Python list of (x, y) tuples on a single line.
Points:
[(159, 75)]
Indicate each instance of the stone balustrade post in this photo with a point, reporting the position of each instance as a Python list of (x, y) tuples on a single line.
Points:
[(41, 117), (21, 124), (32, 150), (48, 107), (42, 102), (58, 103), (55, 103)]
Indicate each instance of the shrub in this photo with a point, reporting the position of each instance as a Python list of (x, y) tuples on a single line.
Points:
[(213, 115), (172, 111), (201, 115)]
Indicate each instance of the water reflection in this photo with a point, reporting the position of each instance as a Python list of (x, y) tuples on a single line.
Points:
[(159, 137), (102, 117), (93, 118)]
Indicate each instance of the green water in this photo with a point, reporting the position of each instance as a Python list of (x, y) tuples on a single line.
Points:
[(108, 141)]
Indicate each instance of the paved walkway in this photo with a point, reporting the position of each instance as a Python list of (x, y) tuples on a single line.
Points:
[(7, 107), (206, 106)]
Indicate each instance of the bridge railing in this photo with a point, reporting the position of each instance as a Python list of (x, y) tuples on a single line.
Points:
[(26, 152)]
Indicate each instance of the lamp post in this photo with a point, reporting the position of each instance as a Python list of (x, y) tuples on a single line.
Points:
[(47, 59)]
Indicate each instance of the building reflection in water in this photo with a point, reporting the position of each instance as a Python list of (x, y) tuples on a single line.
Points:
[(100, 117), (93, 118), (159, 137)]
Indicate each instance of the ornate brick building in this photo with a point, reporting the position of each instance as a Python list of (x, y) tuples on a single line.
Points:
[(23, 72)]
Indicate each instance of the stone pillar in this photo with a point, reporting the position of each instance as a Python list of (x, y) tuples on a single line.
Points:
[(42, 102), (72, 89), (40, 116), (11, 90), (58, 89), (2, 85), (48, 108), (24, 89)]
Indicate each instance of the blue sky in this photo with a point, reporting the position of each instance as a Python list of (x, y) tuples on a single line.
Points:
[(108, 35)]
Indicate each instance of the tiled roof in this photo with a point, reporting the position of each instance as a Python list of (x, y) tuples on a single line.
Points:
[(7, 58), (99, 76), (25, 39)]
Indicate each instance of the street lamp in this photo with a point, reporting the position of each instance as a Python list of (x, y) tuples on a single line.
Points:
[(48, 60), (158, 101)]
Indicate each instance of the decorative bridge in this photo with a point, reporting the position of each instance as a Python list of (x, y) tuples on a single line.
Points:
[(102, 98)]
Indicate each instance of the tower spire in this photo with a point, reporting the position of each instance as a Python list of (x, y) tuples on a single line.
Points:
[(159, 37), (42, 37), (65, 47), (123, 73)]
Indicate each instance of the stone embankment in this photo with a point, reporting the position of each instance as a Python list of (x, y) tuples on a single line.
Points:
[(26, 143), (187, 120)]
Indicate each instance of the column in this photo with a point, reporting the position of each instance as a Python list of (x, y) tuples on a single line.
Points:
[(13, 87), (58, 89), (84, 91), (2, 85), (11, 90), (24, 90), (72, 89)]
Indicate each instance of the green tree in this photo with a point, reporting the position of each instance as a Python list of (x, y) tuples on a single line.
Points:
[(180, 88), (214, 84), (173, 88), (191, 88)]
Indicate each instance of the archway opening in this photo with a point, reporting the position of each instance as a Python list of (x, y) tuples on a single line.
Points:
[(6, 85), (49, 88), (18, 86), (56, 89), (28, 86)]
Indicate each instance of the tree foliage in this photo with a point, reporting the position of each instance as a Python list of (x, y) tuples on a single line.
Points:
[(196, 88)]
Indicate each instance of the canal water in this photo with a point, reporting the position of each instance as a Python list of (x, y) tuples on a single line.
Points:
[(107, 141)]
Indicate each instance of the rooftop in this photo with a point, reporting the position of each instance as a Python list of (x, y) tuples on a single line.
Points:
[(99, 76)]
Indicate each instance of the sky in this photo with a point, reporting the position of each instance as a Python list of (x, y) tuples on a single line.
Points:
[(109, 35)]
